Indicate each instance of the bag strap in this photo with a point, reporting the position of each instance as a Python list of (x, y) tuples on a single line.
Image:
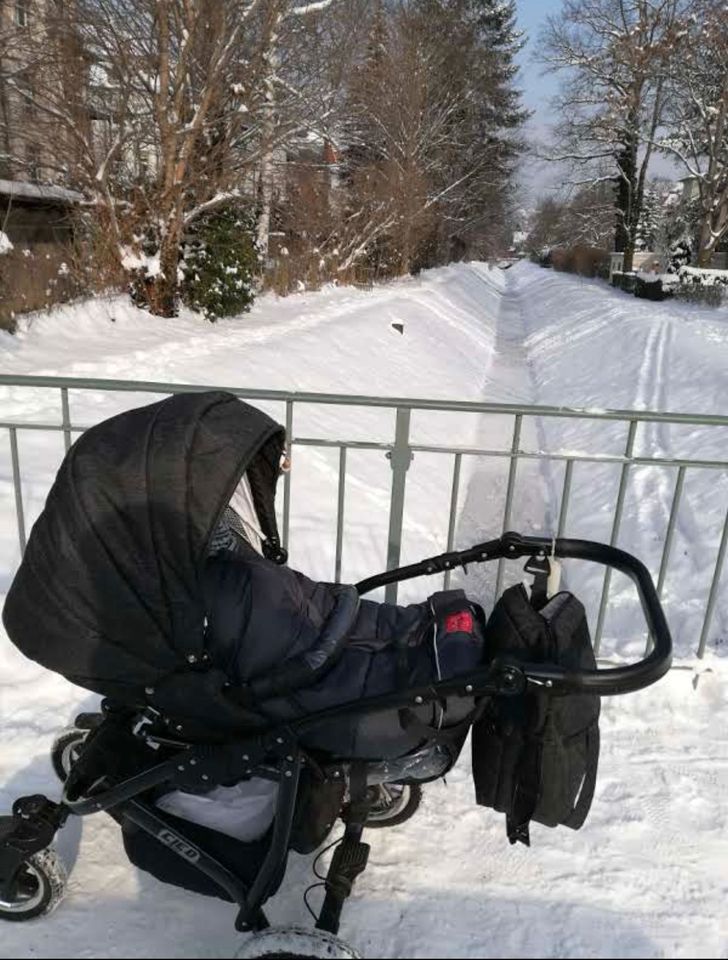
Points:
[(526, 792), (541, 571), (586, 795)]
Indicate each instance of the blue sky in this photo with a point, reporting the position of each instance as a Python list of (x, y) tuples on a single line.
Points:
[(536, 88), (537, 177)]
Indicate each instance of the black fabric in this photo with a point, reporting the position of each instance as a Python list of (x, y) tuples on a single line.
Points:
[(318, 806), (109, 591), (244, 860), (262, 617), (535, 755), (117, 591)]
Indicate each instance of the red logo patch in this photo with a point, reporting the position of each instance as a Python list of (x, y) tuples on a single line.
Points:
[(459, 622)]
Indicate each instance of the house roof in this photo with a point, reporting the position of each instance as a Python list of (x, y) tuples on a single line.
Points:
[(35, 191)]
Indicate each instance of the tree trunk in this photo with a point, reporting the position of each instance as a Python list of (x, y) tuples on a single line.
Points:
[(706, 244), (267, 168), (265, 195), (163, 290), (5, 147), (407, 250), (626, 204), (705, 254), (712, 230)]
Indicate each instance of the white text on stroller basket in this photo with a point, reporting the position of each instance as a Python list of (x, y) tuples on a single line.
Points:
[(179, 846)]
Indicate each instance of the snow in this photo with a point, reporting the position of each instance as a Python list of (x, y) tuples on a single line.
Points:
[(310, 8), (705, 277), (648, 874), (666, 279), (36, 191), (149, 265)]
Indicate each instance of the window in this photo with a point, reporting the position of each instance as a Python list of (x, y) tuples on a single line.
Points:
[(32, 161), (26, 92), (22, 13)]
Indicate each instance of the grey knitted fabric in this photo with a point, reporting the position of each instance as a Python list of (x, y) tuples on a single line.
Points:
[(228, 534)]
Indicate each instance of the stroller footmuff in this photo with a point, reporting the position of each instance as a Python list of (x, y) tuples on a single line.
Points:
[(247, 707)]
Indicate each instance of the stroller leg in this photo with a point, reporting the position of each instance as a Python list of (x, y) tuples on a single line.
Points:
[(350, 857)]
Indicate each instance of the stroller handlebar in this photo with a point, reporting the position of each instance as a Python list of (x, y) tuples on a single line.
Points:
[(605, 682)]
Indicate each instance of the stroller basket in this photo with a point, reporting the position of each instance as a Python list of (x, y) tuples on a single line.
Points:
[(275, 751)]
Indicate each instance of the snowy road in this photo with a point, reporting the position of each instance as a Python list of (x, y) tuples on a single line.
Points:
[(648, 875)]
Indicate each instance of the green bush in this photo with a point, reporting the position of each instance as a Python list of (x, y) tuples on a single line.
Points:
[(651, 289), (219, 264)]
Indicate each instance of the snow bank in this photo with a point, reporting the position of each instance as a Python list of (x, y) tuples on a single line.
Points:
[(647, 876)]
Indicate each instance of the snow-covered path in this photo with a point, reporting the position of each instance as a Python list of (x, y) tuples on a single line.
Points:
[(648, 874)]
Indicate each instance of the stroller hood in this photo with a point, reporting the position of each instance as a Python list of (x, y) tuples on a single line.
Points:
[(109, 592)]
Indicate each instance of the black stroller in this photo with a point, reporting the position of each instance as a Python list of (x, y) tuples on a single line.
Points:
[(113, 593)]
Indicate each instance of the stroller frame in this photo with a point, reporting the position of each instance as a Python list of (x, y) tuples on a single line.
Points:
[(275, 752)]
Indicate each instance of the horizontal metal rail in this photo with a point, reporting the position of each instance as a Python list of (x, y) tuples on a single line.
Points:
[(353, 400), (400, 450)]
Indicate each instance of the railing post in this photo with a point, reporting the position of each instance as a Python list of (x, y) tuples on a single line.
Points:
[(713, 595), (666, 550), (565, 495), (617, 522), (400, 458), (67, 438), (454, 493), (340, 514), (18, 489), (287, 476), (515, 450)]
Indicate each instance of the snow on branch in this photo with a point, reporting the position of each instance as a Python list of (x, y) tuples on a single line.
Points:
[(310, 8), (218, 200)]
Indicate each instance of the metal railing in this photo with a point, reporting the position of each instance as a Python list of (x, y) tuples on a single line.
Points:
[(400, 451)]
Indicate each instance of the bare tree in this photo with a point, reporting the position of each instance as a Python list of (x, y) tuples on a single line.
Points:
[(586, 218), (427, 157), (397, 152), (614, 55), (160, 109)]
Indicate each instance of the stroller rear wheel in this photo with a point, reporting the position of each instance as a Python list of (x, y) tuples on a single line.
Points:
[(291, 942), (393, 804), (37, 888), (65, 750)]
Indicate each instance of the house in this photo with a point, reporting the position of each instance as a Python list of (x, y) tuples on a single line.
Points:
[(690, 188), (31, 213), (35, 199)]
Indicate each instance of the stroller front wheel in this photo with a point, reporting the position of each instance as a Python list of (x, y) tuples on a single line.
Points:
[(393, 804), (65, 750), (37, 888)]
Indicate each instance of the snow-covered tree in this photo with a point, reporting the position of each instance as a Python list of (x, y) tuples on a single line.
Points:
[(697, 117), (648, 228)]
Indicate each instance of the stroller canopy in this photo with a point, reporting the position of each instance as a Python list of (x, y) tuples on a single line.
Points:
[(109, 592)]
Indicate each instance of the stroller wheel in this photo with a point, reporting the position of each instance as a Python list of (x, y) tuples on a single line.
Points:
[(291, 942), (393, 803), (65, 750), (37, 888)]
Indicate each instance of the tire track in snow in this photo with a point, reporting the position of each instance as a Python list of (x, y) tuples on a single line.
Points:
[(534, 507), (655, 485)]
